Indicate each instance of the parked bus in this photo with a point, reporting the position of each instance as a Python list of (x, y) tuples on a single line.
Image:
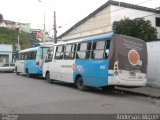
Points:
[(103, 61), (30, 61)]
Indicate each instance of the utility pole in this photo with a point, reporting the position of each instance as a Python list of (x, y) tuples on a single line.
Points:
[(18, 43), (44, 27), (18, 46), (54, 27)]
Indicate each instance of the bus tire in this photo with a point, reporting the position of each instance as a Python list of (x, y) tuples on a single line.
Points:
[(48, 78), (17, 73), (28, 75), (80, 85)]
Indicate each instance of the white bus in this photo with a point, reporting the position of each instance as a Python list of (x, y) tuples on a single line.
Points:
[(30, 61), (103, 61)]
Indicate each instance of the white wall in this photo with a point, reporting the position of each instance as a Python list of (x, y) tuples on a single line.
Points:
[(102, 21), (6, 50), (98, 24), (153, 64), (118, 13)]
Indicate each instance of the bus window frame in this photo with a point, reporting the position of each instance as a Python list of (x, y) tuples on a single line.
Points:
[(61, 53), (104, 49), (88, 51), (51, 52), (71, 52)]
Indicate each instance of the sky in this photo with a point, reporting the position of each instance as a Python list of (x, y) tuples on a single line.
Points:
[(68, 12)]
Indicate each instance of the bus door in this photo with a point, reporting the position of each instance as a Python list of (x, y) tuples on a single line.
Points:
[(20, 63), (64, 63), (68, 66), (57, 63), (48, 65), (41, 55)]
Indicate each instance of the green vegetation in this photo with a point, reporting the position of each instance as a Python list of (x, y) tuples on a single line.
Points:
[(10, 36), (137, 27)]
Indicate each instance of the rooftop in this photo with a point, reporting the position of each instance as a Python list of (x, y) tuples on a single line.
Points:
[(108, 3)]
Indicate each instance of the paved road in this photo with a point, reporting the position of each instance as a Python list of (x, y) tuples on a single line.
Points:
[(19, 94)]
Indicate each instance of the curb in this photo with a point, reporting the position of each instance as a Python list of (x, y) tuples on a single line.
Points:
[(130, 91)]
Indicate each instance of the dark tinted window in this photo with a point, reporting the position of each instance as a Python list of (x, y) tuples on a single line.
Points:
[(157, 21), (30, 55), (6, 65), (12, 64)]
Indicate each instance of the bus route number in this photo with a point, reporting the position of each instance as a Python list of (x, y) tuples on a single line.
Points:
[(102, 67)]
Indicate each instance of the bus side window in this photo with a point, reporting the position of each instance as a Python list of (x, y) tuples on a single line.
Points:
[(19, 56), (23, 56), (59, 52), (67, 52), (98, 48), (107, 49), (70, 51), (73, 51), (83, 51), (33, 55)]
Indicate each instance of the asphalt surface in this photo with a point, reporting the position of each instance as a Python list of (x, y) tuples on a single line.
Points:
[(19, 94)]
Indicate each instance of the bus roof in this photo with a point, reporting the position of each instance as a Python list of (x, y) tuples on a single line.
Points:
[(90, 38), (31, 49)]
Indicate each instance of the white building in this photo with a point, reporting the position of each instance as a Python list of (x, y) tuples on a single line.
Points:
[(25, 27), (6, 53), (101, 20)]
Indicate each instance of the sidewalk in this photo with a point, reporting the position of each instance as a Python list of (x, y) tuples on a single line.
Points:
[(147, 91)]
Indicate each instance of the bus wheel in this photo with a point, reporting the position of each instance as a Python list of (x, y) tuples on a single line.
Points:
[(80, 84), (48, 78), (28, 75), (17, 73)]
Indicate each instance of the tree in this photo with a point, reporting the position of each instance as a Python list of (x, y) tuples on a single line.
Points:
[(10, 36), (137, 27)]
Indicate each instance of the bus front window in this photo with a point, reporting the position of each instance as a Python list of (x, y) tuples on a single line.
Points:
[(49, 55)]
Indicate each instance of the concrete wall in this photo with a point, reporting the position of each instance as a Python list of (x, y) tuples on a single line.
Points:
[(100, 23), (118, 13), (5, 53), (153, 64)]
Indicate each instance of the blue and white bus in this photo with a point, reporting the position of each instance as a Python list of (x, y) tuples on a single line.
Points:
[(30, 61), (103, 61)]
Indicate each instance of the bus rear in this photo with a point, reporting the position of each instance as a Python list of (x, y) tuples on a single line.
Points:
[(128, 62)]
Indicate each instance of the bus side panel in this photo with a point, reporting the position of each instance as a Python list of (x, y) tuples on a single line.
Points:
[(32, 68), (93, 72)]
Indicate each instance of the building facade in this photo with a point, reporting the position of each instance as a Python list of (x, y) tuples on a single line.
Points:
[(6, 53), (100, 21), (25, 27)]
